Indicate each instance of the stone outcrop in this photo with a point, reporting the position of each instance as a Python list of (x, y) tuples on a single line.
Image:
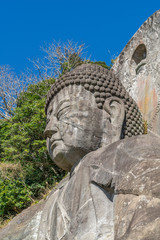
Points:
[(138, 68)]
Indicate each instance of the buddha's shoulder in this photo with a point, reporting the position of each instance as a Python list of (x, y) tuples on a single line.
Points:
[(147, 146), (138, 147)]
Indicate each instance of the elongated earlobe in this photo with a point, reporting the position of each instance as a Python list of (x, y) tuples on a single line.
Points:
[(115, 108)]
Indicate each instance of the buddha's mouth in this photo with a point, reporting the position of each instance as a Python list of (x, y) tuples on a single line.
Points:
[(55, 143)]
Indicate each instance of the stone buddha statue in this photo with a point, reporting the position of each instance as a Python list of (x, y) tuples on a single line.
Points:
[(112, 187), (88, 109), (95, 131)]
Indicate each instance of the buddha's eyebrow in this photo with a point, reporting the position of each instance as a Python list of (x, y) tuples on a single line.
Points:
[(61, 103), (49, 109)]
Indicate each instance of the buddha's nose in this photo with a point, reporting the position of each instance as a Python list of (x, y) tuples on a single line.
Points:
[(50, 130)]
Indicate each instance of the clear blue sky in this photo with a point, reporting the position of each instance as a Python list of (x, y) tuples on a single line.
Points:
[(26, 25)]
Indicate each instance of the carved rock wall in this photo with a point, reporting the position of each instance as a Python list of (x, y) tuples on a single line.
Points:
[(138, 67)]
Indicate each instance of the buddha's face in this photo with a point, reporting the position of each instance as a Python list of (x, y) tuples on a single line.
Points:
[(75, 126)]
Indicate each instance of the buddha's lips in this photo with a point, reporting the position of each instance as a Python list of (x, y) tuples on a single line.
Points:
[(54, 143)]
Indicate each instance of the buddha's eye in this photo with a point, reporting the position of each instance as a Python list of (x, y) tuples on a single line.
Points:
[(49, 115), (49, 112), (62, 112), (48, 119)]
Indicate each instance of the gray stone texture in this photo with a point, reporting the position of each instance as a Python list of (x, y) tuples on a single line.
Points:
[(138, 68)]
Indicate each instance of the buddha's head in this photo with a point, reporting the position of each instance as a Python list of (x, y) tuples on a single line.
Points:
[(86, 109)]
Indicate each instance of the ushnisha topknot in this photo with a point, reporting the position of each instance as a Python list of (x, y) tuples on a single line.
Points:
[(103, 84)]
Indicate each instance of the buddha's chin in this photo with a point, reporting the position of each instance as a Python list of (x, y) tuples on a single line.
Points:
[(65, 158), (61, 158)]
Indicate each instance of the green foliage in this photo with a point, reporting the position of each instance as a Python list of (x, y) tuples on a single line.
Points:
[(103, 64), (73, 61), (13, 196), (22, 142)]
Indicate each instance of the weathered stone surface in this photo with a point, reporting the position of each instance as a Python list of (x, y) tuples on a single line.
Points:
[(138, 68), (137, 217)]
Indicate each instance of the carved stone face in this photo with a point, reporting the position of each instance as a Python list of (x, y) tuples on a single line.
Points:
[(75, 126)]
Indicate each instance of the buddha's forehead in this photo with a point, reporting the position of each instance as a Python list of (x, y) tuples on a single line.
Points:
[(72, 94)]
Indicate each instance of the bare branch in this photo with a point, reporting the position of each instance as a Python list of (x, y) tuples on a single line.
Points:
[(59, 58), (10, 88)]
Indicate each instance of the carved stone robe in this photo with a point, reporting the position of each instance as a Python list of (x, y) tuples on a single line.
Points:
[(112, 193)]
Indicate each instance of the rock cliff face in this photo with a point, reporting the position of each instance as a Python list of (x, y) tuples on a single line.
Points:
[(138, 68)]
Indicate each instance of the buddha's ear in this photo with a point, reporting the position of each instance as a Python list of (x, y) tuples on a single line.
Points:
[(114, 106)]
